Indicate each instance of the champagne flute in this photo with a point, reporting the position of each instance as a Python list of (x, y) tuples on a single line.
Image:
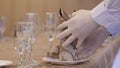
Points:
[(50, 27)]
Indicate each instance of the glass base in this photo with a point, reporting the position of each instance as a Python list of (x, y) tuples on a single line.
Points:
[(28, 64), (33, 63)]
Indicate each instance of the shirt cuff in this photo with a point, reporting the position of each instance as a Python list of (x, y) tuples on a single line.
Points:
[(103, 17)]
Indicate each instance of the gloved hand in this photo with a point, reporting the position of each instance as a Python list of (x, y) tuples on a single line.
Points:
[(80, 26), (92, 43)]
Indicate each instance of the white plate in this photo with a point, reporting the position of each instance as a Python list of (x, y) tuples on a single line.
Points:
[(5, 63), (56, 61)]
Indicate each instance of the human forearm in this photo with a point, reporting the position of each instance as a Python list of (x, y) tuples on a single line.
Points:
[(107, 14)]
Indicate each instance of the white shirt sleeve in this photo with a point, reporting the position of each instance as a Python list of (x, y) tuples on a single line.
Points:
[(107, 14)]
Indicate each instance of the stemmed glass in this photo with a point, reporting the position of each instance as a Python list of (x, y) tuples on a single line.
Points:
[(50, 27), (34, 18), (20, 43), (2, 26), (28, 29)]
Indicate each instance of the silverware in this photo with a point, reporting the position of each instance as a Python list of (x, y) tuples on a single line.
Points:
[(63, 14)]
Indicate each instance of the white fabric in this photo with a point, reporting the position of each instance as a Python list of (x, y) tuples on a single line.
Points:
[(117, 61), (107, 14)]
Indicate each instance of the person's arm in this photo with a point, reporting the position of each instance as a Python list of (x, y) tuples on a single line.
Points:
[(107, 14)]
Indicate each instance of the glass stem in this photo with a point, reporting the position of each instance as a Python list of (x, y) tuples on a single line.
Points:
[(50, 45), (30, 53), (20, 61)]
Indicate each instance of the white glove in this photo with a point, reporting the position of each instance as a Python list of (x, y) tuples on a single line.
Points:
[(92, 43), (80, 26)]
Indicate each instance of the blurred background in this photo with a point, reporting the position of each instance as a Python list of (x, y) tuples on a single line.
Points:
[(14, 9)]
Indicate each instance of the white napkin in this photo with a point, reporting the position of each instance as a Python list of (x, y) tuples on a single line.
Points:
[(5, 62)]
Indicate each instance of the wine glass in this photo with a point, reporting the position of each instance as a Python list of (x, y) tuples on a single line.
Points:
[(50, 27), (30, 27), (2, 26), (32, 35), (21, 43)]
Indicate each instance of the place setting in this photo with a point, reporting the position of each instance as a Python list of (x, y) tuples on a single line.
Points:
[(63, 57), (26, 31), (57, 54)]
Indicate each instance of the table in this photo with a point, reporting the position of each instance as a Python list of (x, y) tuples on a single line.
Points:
[(102, 58)]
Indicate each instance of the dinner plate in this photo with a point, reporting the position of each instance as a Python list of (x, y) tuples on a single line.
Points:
[(57, 61), (5, 63)]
